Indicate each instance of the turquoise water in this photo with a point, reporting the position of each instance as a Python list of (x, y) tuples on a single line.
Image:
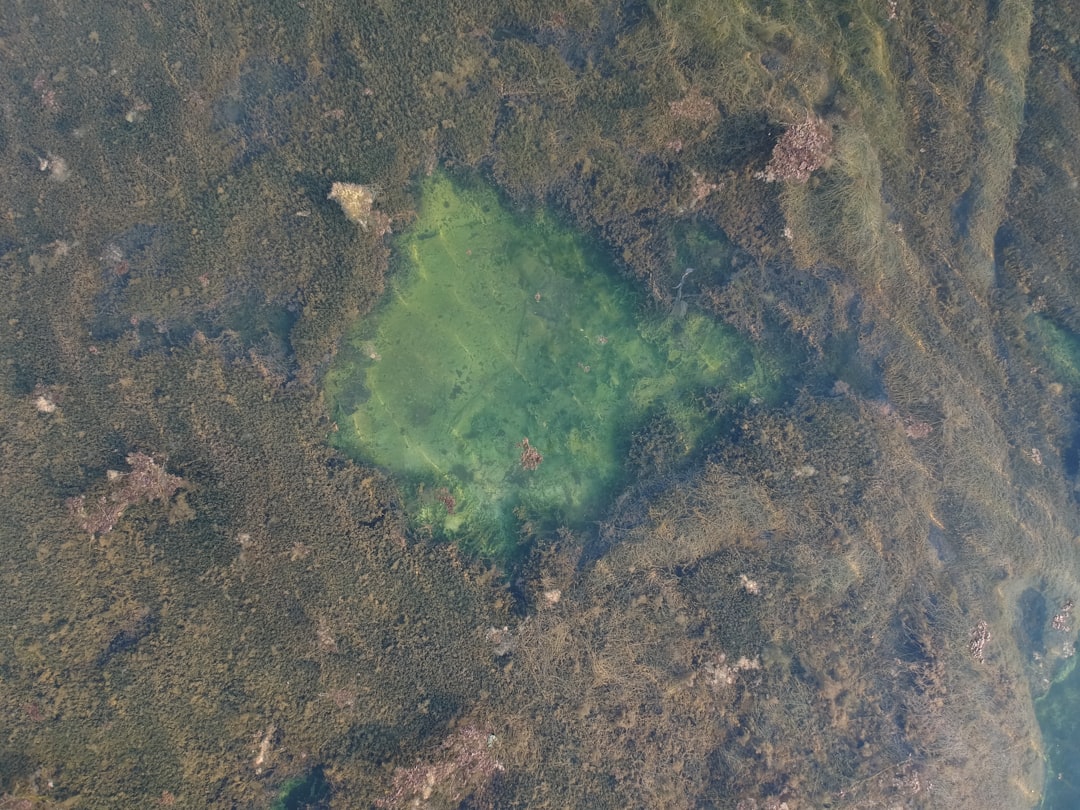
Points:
[(1059, 713)]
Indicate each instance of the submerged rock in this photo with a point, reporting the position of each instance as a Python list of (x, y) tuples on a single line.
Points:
[(355, 201)]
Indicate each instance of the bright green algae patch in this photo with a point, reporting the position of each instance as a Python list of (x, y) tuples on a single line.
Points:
[(497, 330)]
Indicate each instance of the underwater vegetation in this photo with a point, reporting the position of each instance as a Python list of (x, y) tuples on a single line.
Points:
[(1056, 714), (798, 528), (508, 368)]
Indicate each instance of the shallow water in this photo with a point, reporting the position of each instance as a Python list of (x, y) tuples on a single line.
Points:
[(1058, 713), (726, 589), (501, 330)]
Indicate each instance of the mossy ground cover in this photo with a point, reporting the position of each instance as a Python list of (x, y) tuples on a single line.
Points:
[(500, 328)]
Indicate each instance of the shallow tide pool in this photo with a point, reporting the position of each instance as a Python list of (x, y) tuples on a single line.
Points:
[(503, 376)]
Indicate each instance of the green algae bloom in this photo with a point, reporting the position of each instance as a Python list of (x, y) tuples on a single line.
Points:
[(509, 367)]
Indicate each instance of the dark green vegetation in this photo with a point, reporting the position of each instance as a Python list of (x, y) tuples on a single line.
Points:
[(849, 600)]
